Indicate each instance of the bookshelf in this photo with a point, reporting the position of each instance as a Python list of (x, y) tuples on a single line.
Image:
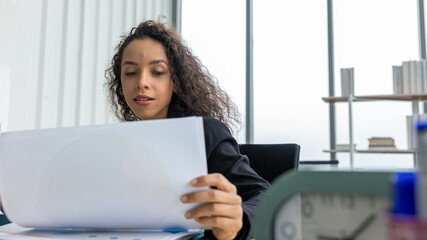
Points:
[(408, 151), (413, 98), (400, 97)]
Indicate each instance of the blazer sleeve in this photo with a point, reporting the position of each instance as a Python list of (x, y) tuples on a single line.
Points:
[(224, 157)]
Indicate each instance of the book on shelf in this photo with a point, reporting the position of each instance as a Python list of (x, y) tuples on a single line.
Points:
[(347, 81), (382, 149), (410, 77), (397, 80), (406, 79), (381, 141), (382, 146), (419, 77), (413, 77), (424, 75)]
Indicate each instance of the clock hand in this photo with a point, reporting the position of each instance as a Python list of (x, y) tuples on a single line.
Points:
[(361, 227), (365, 223)]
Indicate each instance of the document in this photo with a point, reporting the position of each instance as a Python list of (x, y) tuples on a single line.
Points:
[(14, 232), (124, 176), (4, 96)]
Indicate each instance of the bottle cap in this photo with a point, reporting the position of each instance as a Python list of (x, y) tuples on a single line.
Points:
[(404, 193), (422, 125)]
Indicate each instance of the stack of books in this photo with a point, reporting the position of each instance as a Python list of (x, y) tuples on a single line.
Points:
[(381, 143), (410, 77)]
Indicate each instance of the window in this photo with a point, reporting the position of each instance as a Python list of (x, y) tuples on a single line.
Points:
[(290, 75), (372, 36), (215, 30), (291, 68)]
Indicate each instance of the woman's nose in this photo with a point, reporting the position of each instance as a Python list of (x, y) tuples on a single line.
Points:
[(143, 81)]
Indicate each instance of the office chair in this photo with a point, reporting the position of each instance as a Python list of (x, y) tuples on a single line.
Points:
[(271, 160)]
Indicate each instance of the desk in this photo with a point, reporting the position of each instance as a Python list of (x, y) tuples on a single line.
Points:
[(317, 167), (15, 232)]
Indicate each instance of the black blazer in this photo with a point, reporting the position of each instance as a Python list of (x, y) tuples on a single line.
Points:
[(223, 155)]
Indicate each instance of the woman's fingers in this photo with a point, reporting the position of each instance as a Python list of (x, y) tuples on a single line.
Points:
[(215, 210), (211, 195), (220, 222), (222, 208), (215, 179)]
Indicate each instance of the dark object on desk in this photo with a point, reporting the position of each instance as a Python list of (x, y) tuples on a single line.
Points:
[(319, 162), (3, 219), (271, 160)]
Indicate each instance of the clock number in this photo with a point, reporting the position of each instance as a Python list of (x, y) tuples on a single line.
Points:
[(327, 200), (372, 202), (348, 201), (288, 230), (307, 209)]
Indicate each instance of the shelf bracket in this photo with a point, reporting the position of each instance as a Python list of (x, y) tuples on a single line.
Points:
[(415, 108)]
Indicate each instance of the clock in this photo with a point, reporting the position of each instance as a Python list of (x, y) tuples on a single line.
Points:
[(326, 205)]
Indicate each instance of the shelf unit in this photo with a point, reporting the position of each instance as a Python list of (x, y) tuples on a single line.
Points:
[(414, 98), (399, 97), (372, 151)]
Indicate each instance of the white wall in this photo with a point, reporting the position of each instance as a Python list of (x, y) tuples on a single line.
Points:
[(57, 51)]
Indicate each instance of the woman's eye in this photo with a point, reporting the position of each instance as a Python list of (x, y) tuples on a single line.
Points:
[(130, 73), (156, 73)]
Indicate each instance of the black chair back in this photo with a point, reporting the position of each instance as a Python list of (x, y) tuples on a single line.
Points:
[(271, 160)]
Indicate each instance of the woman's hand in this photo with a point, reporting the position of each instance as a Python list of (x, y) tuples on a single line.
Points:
[(222, 209)]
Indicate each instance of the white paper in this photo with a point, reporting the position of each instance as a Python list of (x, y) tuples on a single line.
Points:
[(4, 97), (14, 232), (118, 176)]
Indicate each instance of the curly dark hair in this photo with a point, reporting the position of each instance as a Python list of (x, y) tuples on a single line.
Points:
[(196, 91)]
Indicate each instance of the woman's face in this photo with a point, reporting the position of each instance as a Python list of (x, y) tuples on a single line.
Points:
[(146, 80)]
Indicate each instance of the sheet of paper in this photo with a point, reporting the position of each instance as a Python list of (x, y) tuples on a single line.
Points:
[(4, 96), (118, 176), (14, 232)]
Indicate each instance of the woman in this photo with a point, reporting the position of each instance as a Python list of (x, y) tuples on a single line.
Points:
[(153, 75)]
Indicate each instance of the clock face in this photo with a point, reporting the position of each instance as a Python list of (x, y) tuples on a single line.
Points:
[(312, 216)]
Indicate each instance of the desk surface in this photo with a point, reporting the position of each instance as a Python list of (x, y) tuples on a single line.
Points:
[(15, 232)]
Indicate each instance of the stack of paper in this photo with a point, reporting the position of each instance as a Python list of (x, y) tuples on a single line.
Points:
[(14, 232), (122, 176)]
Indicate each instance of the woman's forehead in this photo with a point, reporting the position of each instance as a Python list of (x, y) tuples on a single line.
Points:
[(144, 49)]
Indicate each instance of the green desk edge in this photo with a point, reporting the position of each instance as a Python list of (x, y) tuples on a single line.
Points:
[(290, 183)]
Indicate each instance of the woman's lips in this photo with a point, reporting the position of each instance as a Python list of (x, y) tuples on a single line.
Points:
[(143, 100)]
